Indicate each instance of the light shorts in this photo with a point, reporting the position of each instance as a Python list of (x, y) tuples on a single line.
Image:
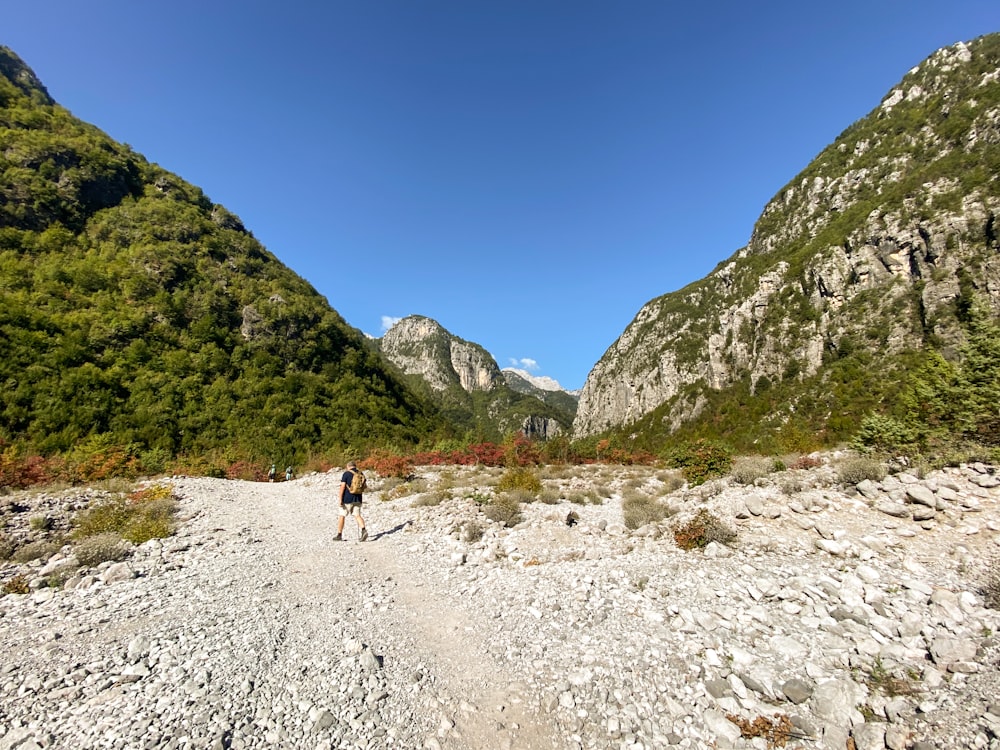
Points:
[(350, 509)]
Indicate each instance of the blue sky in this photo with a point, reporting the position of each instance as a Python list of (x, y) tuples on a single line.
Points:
[(528, 174)]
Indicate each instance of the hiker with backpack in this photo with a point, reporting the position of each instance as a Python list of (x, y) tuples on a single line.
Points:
[(352, 487)]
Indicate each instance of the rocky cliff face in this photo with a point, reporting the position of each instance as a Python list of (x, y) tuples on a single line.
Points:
[(877, 245), (421, 346), (468, 385)]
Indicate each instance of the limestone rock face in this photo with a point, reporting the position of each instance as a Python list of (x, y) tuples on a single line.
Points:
[(874, 246), (467, 384), (421, 346)]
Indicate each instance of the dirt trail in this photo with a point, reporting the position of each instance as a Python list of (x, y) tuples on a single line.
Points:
[(337, 578)]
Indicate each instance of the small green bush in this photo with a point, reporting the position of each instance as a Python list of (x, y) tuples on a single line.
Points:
[(41, 522), (639, 509), (548, 496), (584, 497), (859, 468), (505, 509), (701, 530), (700, 461), (106, 546), (146, 514), (748, 469), (520, 478)]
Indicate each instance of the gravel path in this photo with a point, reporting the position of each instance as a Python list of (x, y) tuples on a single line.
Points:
[(252, 628)]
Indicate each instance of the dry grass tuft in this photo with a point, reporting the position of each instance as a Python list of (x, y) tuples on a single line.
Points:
[(859, 468), (505, 509), (38, 550), (104, 547), (748, 469), (639, 509)]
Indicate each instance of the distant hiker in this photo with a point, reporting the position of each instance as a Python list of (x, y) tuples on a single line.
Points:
[(352, 487), (271, 473), (288, 473)]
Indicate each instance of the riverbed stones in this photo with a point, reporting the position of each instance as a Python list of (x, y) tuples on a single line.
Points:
[(251, 629)]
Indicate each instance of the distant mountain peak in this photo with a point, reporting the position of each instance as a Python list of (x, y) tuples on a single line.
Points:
[(543, 382)]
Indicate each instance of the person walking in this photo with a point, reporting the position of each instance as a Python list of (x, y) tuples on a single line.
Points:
[(271, 472), (288, 473), (352, 487)]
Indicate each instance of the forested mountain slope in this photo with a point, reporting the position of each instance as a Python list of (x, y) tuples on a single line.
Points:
[(872, 257), (134, 310)]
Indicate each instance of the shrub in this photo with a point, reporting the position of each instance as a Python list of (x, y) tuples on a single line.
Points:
[(672, 481), (859, 468), (584, 497), (700, 461), (16, 585), (802, 462), (7, 547), (41, 522), (522, 496), (701, 530), (477, 496), (247, 471), (40, 550), (748, 469), (431, 499), (548, 496), (387, 464), (470, 532), (146, 514), (104, 547), (505, 509), (882, 433), (638, 510), (520, 478)]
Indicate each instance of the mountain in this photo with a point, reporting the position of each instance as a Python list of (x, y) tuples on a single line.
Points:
[(136, 312), (468, 385), (544, 389), (868, 259)]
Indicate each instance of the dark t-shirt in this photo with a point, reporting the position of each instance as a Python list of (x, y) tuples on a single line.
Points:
[(348, 497)]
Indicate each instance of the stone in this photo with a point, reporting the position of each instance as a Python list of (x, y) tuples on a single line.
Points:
[(121, 571), (869, 736), (727, 734), (919, 494), (946, 650), (836, 701), (796, 690), (896, 510)]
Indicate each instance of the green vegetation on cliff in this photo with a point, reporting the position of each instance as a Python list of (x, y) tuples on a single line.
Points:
[(134, 310)]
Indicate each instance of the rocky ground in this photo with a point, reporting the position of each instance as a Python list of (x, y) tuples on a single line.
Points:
[(840, 617)]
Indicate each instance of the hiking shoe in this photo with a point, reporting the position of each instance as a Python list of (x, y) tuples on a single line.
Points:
[(339, 538), (364, 535)]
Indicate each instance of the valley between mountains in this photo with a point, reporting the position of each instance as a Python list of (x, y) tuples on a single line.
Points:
[(835, 619)]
